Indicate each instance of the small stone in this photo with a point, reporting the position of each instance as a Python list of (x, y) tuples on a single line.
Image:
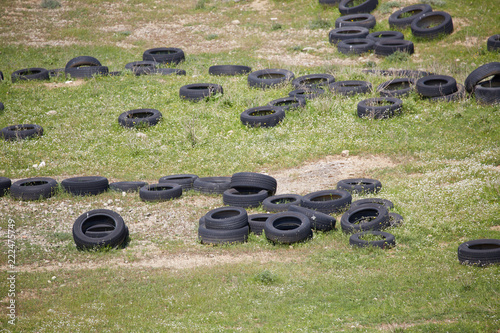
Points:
[(274, 18), (124, 194), (119, 209), (345, 153), (51, 113), (235, 22), (141, 135), (53, 278), (305, 49)]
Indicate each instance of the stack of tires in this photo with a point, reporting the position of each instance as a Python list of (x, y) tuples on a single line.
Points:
[(484, 83), (99, 228), (224, 225)]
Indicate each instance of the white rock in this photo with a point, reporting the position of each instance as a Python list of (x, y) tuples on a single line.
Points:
[(235, 22), (305, 49), (345, 153), (51, 113), (141, 135)]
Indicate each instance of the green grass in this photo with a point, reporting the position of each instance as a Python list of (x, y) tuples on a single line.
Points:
[(443, 178)]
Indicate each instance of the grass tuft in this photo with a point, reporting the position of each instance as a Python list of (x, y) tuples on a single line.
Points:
[(320, 23), (266, 277), (50, 4)]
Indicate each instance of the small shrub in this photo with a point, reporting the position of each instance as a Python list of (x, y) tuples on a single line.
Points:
[(276, 26), (212, 36), (200, 4), (50, 4), (319, 23), (398, 57), (266, 277)]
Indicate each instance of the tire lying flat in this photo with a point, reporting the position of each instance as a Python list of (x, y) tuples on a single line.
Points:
[(480, 252), (21, 132), (87, 185), (33, 188), (99, 228)]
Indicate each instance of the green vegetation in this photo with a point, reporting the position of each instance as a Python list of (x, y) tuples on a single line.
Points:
[(441, 170), (50, 4)]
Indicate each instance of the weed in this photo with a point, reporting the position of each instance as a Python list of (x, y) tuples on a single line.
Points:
[(266, 277), (398, 57), (319, 23), (212, 36), (200, 4), (438, 3), (50, 4), (276, 26)]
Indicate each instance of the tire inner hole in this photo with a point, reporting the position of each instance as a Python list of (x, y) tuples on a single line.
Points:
[(326, 197), (287, 223), (436, 82), (376, 103), (409, 13), (23, 128), (261, 113), (140, 115), (430, 22), (98, 224), (271, 76), (163, 52), (363, 216), (225, 214), (30, 72), (283, 201), (160, 188), (485, 247), (35, 183), (314, 81), (397, 86)]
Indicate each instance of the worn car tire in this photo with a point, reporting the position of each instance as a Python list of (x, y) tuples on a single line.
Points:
[(249, 198), (211, 185), (288, 228), (184, 180), (388, 240), (33, 188), (395, 220), (242, 181), (164, 55), (229, 217), (336, 35), (289, 103), (5, 184), (436, 85), (263, 116), (385, 35), (268, 78), (128, 186), (27, 74), (86, 185), (480, 252), (198, 91), (257, 222), (86, 72), (99, 228), (359, 185), (319, 221), (357, 20), (488, 92), (313, 81), (327, 201), (379, 107), (346, 7), (21, 132), (493, 43), (365, 217), (229, 70), (432, 25), (351, 87), (355, 46), (396, 88), (481, 73), (385, 47), (379, 201), (83, 61), (281, 202), (160, 192), (141, 67), (459, 95), (404, 17), (139, 117), (222, 236)]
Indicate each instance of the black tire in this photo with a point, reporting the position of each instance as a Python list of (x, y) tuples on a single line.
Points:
[(404, 17), (257, 222), (409, 73), (33, 188), (184, 180), (436, 85), (139, 118), (267, 78), (1, 76), (313, 81), (289, 103), (306, 93), (164, 55), (359, 185), (396, 88), (384, 35), (367, 21), (89, 185), (365, 217), (249, 198), (388, 240), (99, 228), (395, 220), (82, 61), (129, 186), (493, 43), (251, 180), (336, 35), (141, 67), (351, 87), (2, 107), (160, 192), (481, 73), (432, 25), (288, 228), (263, 116), (346, 7), (281, 202), (211, 185), (86, 72), (458, 95), (21, 132), (379, 107), (229, 70), (319, 221), (480, 252), (5, 184), (226, 218), (327, 201), (27, 74), (199, 91), (214, 236), (385, 47), (355, 46), (379, 201), (488, 92), (168, 71)]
